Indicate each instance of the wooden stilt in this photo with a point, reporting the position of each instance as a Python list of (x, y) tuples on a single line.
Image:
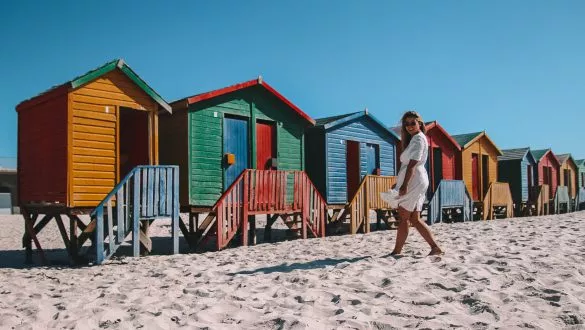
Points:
[(28, 221), (252, 222), (73, 238)]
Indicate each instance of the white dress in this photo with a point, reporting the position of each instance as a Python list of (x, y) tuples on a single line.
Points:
[(413, 200)]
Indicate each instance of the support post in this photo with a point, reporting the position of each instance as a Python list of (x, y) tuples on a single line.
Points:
[(73, 238), (176, 216), (136, 215)]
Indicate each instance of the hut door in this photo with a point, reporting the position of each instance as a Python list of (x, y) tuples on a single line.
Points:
[(134, 140), (372, 158), (568, 183), (546, 175), (353, 167), (437, 167), (485, 173), (530, 183), (475, 176), (265, 145), (235, 148)]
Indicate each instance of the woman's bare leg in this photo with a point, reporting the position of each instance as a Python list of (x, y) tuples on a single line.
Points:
[(402, 232), (425, 232)]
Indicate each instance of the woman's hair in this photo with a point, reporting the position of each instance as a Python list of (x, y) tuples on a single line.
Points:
[(404, 135)]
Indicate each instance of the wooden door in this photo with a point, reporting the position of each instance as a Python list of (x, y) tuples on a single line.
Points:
[(134, 140), (372, 158), (475, 176), (437, 167), (530, 182), (265, 145), (485, 173), (235, 142), (353, 167), (546, 175), (568, 182)]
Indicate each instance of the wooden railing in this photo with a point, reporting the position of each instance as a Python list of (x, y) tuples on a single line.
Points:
[(498, 195), (368, 198), (146, 193), (268, 192), (541, 199), (450, 194), (562, 200)]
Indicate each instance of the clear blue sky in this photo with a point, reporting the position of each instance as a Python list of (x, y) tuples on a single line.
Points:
[(513, 68)]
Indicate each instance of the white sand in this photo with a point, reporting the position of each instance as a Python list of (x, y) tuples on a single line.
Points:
[(517, 273)]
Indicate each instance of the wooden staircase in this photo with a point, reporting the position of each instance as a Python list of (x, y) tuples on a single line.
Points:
[(367, 198), (145, 194), (289, 195)]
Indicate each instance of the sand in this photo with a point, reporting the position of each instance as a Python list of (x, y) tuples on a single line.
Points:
[(513, 273)]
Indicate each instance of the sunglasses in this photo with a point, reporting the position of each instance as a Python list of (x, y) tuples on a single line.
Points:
[(410, 123)]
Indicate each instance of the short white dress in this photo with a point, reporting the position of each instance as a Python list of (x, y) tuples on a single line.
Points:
[(413, 200)]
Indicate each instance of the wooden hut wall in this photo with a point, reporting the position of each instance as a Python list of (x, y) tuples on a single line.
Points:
[(366, 132), (174, 146), (315, 152), (481, 147), (510, 171), (205, 120), (581, 173), (569, 166), (42, 148), (549, 161), (437, 139), (95, 132)]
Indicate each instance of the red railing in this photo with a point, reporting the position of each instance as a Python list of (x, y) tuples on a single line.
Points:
[(268, 192)]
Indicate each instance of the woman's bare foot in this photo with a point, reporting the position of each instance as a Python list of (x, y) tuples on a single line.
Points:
[(395, 253), (436, 251)]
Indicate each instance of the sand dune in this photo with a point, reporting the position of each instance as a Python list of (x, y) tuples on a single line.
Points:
[(516, 273)]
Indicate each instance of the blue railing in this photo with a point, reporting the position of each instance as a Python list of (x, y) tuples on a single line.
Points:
[(450, 194), (146, 193)]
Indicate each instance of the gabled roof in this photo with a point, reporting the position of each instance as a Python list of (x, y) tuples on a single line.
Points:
[(96, 73), (539, 155), (565, 157), (330, 122), (465, 140), (580, 162), (433, 124), (516, 154), (255, 82)]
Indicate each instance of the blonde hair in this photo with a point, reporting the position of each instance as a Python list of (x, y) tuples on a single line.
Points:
[(404, 135)]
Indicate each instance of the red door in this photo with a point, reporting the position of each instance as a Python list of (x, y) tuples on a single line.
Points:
[(475, 176), (134, 144), (353, 168), (265, 145)]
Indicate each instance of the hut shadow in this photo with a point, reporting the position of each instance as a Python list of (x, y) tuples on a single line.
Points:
[(287, 268)]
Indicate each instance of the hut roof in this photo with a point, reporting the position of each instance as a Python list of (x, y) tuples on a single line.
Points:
[(433, 124), (539, 155), (580, 162), (565, 157), (515, 154), (96, 73), (330, 122), (255, 82), (465, 140)]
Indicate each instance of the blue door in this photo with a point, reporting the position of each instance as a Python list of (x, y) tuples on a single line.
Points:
[(235, 142), (372, 156)]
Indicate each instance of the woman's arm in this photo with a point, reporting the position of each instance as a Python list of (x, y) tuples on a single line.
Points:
[(403, 189)]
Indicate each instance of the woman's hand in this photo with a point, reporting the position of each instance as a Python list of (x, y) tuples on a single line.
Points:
[(402, 191)]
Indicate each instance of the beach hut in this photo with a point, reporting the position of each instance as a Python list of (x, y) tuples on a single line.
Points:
[(580, 200), (451, 201), (441, 161), (77, 143), (477, 162), (341, 151), (568, 174), (548, 168), (518, 168), (219, 139)]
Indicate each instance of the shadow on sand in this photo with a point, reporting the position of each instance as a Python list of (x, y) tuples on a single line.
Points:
[(287, 268)]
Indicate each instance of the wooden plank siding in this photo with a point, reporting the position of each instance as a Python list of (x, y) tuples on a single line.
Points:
[(173, 133), (205, 136), (437, 139), (364, 131), (42, 149), (481, 147), (94, 154), (549, 161), (571, 167)]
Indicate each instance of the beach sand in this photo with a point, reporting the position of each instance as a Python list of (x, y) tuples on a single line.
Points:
[(513, 273)]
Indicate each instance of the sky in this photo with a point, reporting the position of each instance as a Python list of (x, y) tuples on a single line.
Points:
[(513, 68)]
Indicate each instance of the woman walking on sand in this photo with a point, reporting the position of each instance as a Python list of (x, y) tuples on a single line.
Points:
[(412, 183)]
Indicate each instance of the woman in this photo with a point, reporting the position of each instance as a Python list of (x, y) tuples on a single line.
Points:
[(412, 182)]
